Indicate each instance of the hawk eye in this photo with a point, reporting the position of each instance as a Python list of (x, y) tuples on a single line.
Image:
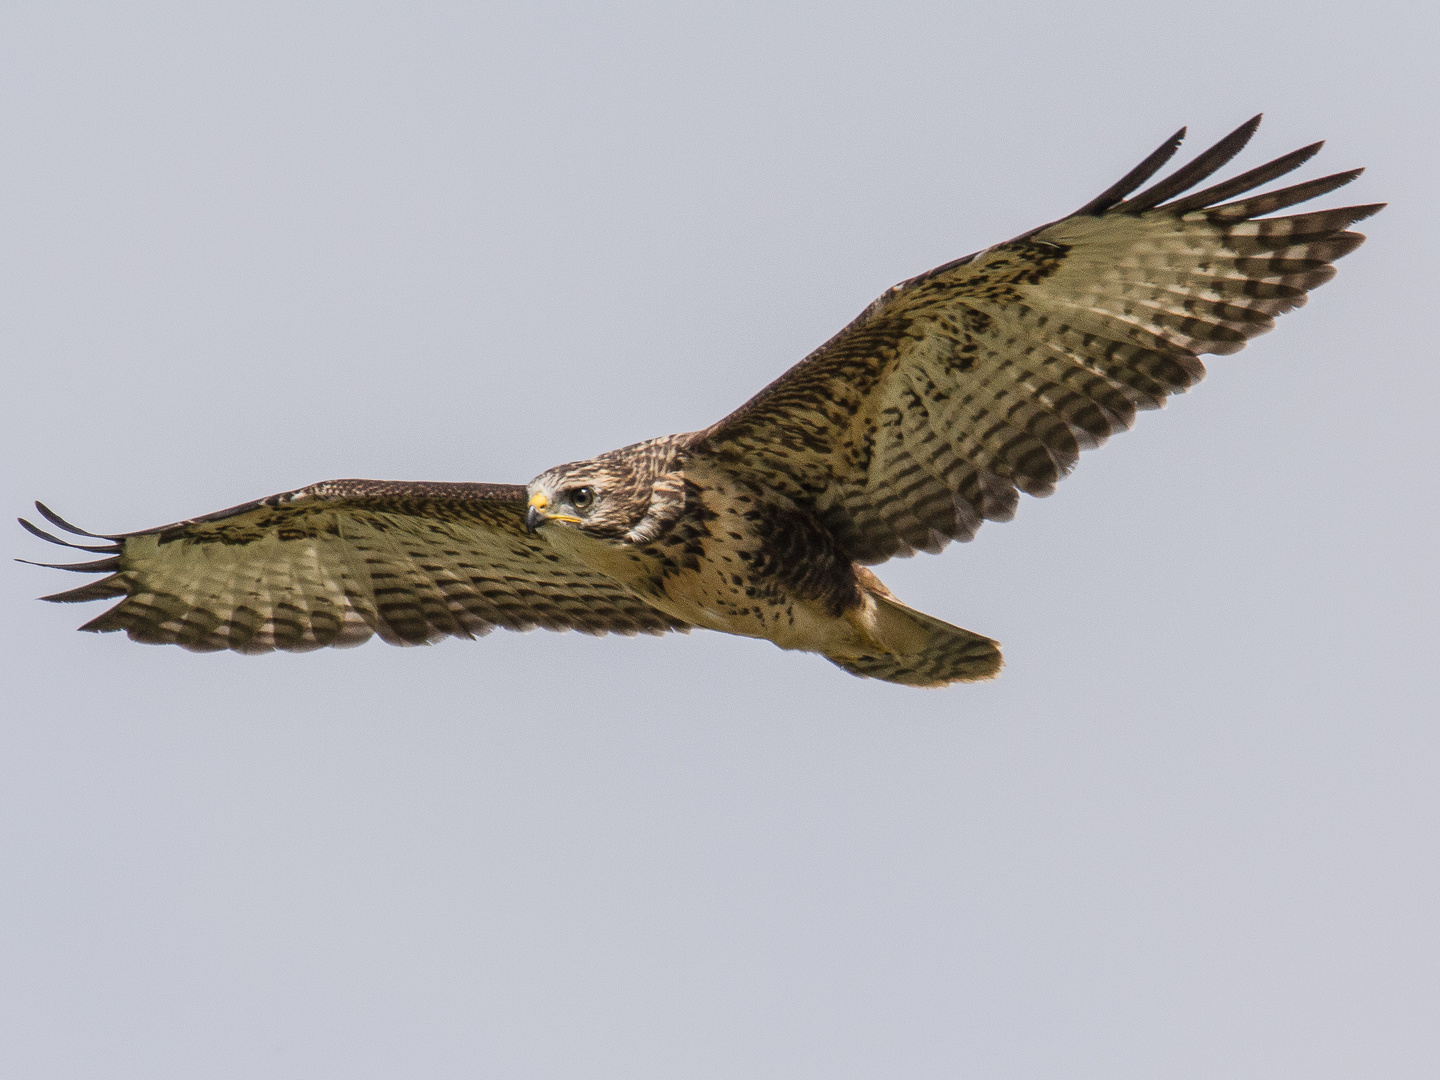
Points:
[(582, 498)]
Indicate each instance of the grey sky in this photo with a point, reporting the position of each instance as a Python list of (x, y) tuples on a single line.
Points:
[(1190, 832)]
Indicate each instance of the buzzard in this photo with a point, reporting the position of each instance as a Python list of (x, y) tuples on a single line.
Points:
[(927, 415)]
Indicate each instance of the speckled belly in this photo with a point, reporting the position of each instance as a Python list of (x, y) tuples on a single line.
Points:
[(754, 565), (742, 561)]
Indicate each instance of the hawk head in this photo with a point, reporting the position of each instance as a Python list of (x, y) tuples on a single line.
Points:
[(632, 494), (603, 497)]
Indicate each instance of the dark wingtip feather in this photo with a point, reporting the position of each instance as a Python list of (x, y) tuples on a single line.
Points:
[(107, 623), (1269, 201), (98, 566), (35, 530), (105, 589), (1134, 178), (56, 520), (1246, 181), (52, 538), (1188, 176)]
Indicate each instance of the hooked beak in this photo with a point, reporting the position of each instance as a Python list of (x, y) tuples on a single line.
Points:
[(536, 516)]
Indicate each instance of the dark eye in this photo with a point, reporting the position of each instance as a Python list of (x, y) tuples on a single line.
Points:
[(582, 498)]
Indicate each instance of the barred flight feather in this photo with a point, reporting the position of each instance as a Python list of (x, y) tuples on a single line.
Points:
[(928, 415), (335, 563), (1005, 364)]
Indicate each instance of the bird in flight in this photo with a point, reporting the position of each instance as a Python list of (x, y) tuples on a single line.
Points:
[(948, 396)]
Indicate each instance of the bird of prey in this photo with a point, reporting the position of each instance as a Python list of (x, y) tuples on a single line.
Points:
[(927, 415)]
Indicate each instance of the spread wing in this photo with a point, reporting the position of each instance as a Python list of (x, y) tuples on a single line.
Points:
[(333, 563), (987, 376)]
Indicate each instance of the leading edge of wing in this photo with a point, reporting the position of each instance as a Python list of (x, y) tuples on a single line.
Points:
[(334, 563), (392, 494), (1113, 200), (1069, 331), (392, 491)]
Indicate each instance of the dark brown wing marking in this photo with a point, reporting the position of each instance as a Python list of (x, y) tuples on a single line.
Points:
[(333, 563), (987, 376)]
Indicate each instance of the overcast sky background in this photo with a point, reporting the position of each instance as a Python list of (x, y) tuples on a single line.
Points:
[(1190, 832)]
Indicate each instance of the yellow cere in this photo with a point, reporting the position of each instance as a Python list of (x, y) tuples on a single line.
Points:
[(539, 501)]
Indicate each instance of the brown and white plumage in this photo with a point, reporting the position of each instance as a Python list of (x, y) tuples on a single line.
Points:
[(334, 563), (927, 415), (987, 376)]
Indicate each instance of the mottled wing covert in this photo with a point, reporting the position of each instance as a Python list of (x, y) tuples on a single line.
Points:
[(333, 563), (988, 375)]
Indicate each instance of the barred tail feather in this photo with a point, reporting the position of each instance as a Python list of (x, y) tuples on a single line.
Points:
[(936, 653)]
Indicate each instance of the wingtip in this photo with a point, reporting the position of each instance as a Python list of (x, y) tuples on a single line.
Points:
[(1187, 176), (1305, 153), (56, 520), (51, 538), (1134, 178), (60, 523), (97, 566), (1246, 131)]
